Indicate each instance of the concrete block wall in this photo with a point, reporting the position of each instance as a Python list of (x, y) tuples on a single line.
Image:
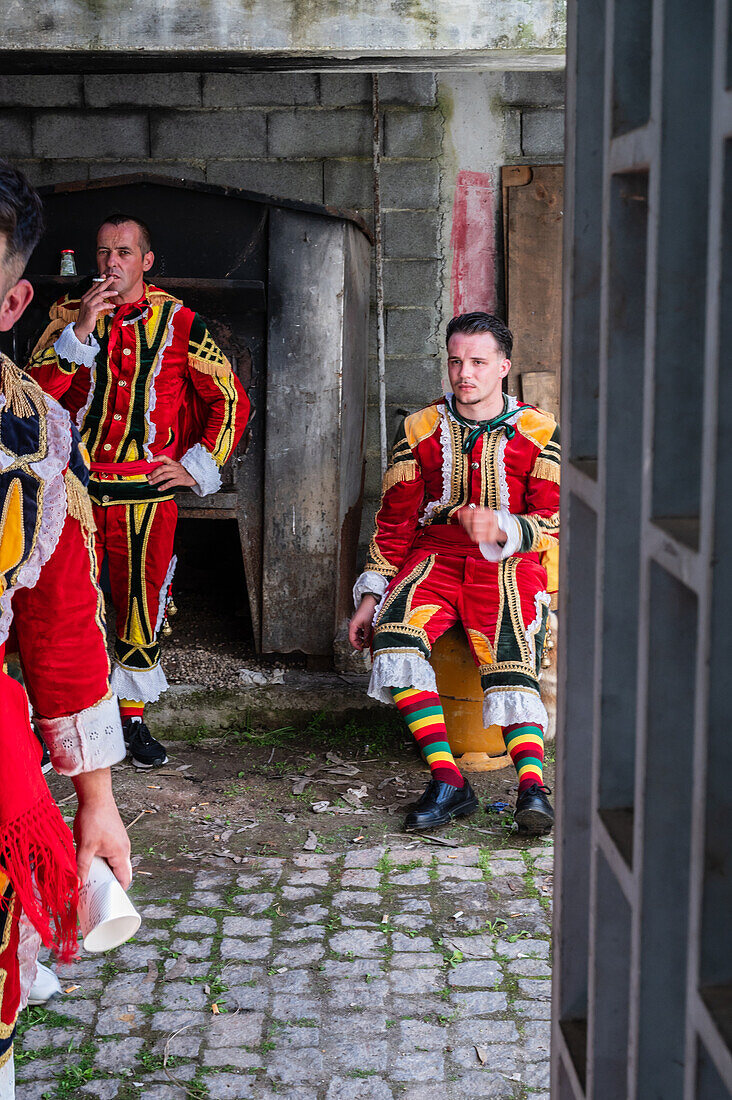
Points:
[(305, 136)]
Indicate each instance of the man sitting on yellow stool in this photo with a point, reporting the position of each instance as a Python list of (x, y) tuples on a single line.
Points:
[(469, 513)]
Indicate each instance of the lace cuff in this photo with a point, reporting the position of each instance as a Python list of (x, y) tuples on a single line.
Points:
[(145, 684), (85, 741), (507, 707), (491, 551), (369, 582), (70, 348), (200, 464)]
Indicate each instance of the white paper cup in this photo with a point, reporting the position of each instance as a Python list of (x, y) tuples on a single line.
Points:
[(106, 915)]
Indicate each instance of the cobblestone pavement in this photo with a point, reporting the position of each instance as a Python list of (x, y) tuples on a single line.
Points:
[(371, 974)]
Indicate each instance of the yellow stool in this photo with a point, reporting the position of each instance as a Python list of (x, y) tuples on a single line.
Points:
[(461, 695)]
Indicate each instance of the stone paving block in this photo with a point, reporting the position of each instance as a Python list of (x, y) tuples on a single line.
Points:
[(415, 905), (479, 1003), (531, 968), (346, 898), (309, 876), (259, 89), (152, 933), (295, 1066), (128, 989), (416, 877), (419, 1006), (357, 994), (486, 974), (309, 932), (290, 1009), (353, 968), (401, 942), (536, 988), (232, 1056), (462, 857), (248, 882), (297, 1036), (364, 857), (293, 981), (196, 925), (135, 956), (403, 855), (360, 943), (408, 960), (185, 968), (186, 1045), (229, 1086), (536, 1010), (420, 1066), (247, 999), (314, 859), (464, 874), (245, 949), (416, 981), (375, 1088), (482, 1085), (411, 921), (474, 946), (297, 893), (353, 922), (417, 1035), (360, 1053), (102, 1090), (43, 1068), (302, 133), (311, 914), (81, 1010), (88, 134), (537, 1075), (38, 1037), (366, 879), (501, 1057), (170, 1021), (208, 897), (505, 867), (538, 948), (299, 956), (193, 949), (181, 995), (238, 973), (368, 1023), (39, 1090), (118, 1021), (118, 1054), (246, 926), (483, 1032)]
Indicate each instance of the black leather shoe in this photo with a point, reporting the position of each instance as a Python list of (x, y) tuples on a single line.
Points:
[(439, 804), (534, 814), (144, 750)]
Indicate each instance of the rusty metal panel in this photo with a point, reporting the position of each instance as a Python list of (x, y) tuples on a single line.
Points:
[(308, 430)]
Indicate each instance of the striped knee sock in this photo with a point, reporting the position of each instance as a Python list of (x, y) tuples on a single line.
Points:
[(525, 745), (422, 711), (128, 708)]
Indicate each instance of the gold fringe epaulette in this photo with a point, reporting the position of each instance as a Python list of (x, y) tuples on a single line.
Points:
[(400, 471), (546, 469), (219, 369), (49, 335), (22, 396), (78, 502)]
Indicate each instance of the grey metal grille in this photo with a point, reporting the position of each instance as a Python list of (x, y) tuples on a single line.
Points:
[(643, 941)]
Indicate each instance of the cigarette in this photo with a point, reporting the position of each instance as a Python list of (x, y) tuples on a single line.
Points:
[(99, 279)]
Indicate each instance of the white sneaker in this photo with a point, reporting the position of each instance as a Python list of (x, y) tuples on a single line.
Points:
[(45, 986)]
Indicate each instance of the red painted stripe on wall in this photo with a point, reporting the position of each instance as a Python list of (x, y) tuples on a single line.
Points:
[(473, 241)]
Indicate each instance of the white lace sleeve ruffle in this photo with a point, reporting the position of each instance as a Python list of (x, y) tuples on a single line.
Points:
[(69, 347), (491, 551), (145, 684), (369, 582), (200, 465), (399, 670), (85, 741)]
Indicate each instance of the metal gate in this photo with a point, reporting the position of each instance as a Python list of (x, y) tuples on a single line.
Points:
[(643, 991)]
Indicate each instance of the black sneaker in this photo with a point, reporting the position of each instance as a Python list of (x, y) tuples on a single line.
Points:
[(439, 804), (144, 750), (46, 758), (534, 814)]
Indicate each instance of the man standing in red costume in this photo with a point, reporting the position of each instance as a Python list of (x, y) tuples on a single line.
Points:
[(50, 600), (159, 409), (468, 523)]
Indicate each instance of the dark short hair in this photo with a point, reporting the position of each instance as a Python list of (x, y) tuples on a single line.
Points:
[(21, 219), (120, 219), (472, 323)]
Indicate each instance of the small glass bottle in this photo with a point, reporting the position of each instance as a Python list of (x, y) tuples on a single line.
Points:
[(68, 263)]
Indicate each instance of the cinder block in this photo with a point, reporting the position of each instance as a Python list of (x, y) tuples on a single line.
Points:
[(410, 331), (40, 91), (143, 89), (298, 179), (411, 282), (345, 89), (542, 133), (306, 133), (179, 170), (413, 383), (42, 172), (408, 89), (201, 134), (15, 135), (259, 89), (90, 134), (512, 141), (349, 183), (412, 134), (411, 235), (411, 185), (545, 89)]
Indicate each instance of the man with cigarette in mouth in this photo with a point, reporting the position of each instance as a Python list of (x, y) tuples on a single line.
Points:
[(159, 409), (468, 523)]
